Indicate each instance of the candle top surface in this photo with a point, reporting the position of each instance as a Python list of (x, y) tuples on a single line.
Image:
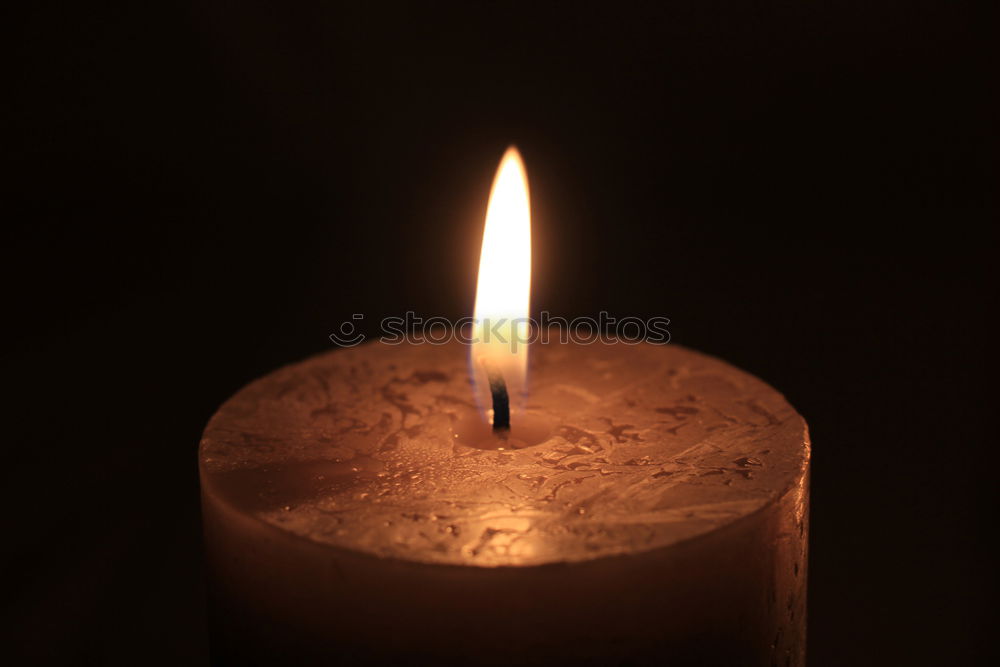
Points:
[(357, 449)]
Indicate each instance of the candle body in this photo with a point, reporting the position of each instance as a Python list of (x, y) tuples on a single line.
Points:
[(663, 516)]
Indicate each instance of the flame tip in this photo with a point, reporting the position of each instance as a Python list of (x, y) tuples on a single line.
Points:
[(512, 152)]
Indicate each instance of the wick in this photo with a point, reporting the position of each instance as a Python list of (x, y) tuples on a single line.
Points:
[(501, 402)]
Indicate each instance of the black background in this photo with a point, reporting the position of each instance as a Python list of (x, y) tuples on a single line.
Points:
[(202, 193)]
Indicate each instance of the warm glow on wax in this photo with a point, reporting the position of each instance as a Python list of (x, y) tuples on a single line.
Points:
[(504, 288)]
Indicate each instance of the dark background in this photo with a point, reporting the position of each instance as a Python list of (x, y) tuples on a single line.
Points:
[(202, 193)]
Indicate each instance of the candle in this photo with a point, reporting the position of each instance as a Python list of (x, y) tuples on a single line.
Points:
[(647, 504)]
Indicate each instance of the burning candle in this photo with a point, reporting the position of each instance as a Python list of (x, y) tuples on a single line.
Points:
[(640, 504)]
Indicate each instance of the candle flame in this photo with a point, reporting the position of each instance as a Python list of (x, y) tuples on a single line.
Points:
[(503, 291)]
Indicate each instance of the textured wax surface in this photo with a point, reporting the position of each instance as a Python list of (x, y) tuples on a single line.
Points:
[(649, 445)]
